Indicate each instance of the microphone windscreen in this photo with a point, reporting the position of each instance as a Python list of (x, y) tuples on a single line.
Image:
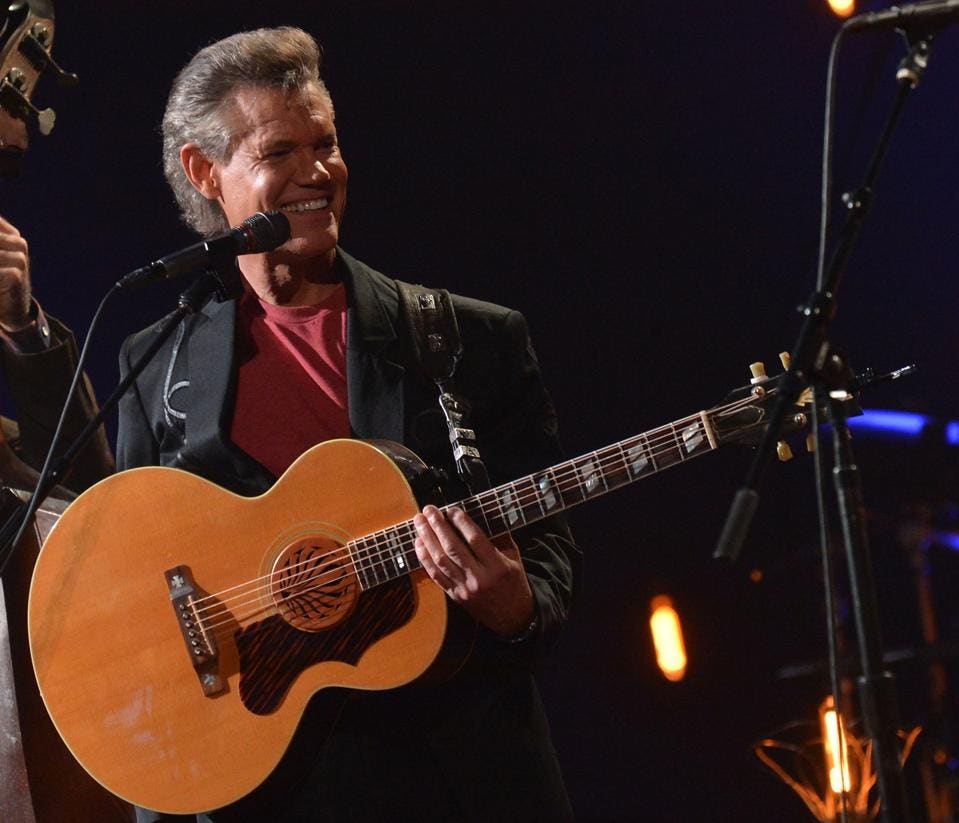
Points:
[(266, 231)]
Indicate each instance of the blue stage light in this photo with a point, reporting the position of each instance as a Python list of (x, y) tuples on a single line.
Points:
[(906, 424)]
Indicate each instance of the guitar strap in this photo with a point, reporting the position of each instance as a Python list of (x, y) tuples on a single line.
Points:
[(437, 350)]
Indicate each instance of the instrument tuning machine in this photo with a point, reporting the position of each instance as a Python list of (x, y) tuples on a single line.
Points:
[(36, 48), (14, 98), (26, 44), (758, 371), (783, 451)]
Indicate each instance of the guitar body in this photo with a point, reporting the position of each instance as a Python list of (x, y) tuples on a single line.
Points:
[(112, 653)]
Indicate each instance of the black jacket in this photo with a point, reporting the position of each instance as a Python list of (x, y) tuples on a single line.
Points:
[(476, 747)]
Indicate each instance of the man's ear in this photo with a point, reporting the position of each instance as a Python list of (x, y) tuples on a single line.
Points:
[(199, 171)]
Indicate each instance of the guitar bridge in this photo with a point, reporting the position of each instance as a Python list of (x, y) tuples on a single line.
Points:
[(200, 642)]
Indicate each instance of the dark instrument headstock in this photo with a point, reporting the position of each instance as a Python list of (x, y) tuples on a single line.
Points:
[(26, 40)]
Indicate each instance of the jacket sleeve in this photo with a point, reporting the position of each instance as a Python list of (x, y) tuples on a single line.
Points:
[(517, 436), (38, 384)]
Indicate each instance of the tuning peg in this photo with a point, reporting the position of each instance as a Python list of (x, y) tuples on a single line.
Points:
[(15, 101), (810, 443), (46, 119), (36, 46), (785, 358), (783, 452), (758, 371)]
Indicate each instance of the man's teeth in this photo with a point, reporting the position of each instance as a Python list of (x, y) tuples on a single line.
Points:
[(309, 205)]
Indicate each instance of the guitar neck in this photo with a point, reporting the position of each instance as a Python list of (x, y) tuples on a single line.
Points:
[(388, 554)]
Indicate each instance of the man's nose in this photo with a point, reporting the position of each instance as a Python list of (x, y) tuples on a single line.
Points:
[(315, 171)]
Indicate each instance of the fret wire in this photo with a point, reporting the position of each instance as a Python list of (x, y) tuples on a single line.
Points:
[(365, 546), (614, 467), (363, 565), (678, 445), (537, 497), (598, 464), (411, 557), (574, 479), (499, 508), (512, 513), (554, 491), (566, 476), (361, 550), (395, 548), (622, 456), (476, 505), (649, 453)]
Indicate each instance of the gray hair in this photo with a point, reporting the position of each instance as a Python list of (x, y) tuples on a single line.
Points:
[(202, 95)]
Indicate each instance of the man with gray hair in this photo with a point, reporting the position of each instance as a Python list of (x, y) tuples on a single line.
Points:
[(317, 348)]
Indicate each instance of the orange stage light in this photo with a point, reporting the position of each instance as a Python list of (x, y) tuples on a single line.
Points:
[(844, 8), (667, 638), (837, 748)]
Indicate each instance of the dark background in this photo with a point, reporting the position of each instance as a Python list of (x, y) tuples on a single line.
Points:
[(641, 179)]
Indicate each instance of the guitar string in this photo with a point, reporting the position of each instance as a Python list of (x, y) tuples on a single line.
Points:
[(317, 581), (521, 496), (272, 608), (615, 461), (376, 540), (616, 453)]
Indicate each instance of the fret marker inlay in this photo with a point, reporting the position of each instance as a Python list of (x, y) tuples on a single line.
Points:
[(546, 490), (692, 437), (590, 474), (510, 508), (396, 551), (637, 460)]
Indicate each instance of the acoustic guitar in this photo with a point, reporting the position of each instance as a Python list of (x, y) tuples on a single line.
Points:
[(178, 630)]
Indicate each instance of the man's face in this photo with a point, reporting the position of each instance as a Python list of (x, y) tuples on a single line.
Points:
[(285, 157)]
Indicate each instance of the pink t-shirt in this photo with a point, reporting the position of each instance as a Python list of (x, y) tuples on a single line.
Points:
[(291, 385)]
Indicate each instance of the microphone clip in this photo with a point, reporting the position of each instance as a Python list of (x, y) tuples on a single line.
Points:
[(221, 283)]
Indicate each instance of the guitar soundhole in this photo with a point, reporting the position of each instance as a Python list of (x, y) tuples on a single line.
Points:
[(313, 584)]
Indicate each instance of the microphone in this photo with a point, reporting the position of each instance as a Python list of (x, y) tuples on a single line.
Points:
[(264, 231), (931, 13)]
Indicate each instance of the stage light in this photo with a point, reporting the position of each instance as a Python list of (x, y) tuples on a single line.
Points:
[(843, 8), (882, 421), (667, 638), (831, 768), (837, 749)]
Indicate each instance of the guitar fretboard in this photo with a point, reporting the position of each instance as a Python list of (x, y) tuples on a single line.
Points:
[(388, 554)]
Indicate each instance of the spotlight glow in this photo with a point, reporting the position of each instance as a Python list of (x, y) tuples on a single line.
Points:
[(667, 638), (837, 749), (842, 7)]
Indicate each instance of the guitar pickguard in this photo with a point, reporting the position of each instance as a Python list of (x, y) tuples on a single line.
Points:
[(273, 653)]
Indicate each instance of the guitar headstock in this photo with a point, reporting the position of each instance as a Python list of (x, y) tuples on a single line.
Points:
[(745, 413), (26, 40)]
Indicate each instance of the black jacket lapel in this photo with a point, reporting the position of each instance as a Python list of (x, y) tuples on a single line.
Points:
[(211, 399), (374, 377)]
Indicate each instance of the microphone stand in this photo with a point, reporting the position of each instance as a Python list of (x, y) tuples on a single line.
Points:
[(816, 362), (221, 278)]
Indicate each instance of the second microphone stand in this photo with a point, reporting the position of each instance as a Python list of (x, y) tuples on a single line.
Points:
[(815, 362)]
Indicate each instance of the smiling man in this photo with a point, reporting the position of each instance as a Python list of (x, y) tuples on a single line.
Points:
[(315, 348)]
